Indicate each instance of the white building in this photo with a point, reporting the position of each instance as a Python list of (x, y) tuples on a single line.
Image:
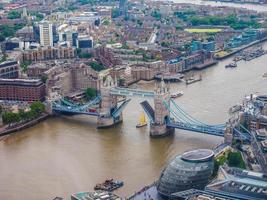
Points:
[(46, 34)]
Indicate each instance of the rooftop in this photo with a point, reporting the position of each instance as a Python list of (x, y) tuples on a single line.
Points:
[(25, 82), (261, 132), (198, 155), (264, 143)]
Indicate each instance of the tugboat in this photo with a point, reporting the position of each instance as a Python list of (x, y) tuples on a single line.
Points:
[(176, 95), (231, 65), (142, 121), (109, 185)]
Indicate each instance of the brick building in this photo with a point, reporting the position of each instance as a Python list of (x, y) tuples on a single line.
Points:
[(9, 69), (22, 90), (48, 53)]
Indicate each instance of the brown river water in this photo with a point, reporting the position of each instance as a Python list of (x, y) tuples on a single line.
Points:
[(63, 155)]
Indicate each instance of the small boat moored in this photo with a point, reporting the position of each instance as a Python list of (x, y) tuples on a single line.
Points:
[(142, 121), (176, 95), (109, 185), (231, 65)]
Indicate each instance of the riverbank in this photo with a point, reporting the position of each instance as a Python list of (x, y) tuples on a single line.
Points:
[(9, 130), (237, 50), (238, 2)]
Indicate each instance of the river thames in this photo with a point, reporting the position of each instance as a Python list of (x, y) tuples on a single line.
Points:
[(63, 155)]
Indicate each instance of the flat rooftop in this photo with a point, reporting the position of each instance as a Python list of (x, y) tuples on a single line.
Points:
[(198, 155), (264, 143), (21, 82), (261, 132)]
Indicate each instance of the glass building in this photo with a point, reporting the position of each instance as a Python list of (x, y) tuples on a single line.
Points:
[(192, 169)]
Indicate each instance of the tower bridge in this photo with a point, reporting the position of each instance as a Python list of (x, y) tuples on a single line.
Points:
[(164, 117)]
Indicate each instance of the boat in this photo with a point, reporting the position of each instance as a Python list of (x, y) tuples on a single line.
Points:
[(193, 80), (176, 95), (238, 58), (235, 108), (142, 121), (109, 185), (231, 65)]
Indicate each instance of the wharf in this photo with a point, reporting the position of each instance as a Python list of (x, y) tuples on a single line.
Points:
[(237, 50)]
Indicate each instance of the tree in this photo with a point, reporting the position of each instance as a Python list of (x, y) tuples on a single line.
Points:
[(90, 93), (1, 109), (37, 108), (96, 66), (44, 78), (24, 65), (156, 14), (235, 160), (13, 14), (10, 118)]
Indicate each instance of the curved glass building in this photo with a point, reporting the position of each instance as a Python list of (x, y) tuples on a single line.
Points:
[(192, 169)]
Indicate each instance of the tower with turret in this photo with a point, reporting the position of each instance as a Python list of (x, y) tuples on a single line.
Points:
[(159, 127), (108, 104)]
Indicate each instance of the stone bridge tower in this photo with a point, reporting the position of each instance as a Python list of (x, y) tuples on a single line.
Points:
[(108, 104), (161, 114)]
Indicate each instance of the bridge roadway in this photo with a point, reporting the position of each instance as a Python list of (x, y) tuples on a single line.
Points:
[(131, 92), (211, 130), (182, 119)]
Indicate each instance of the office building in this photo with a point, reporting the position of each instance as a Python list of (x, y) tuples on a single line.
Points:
[(192, 169), (46, 34), (84, 42)]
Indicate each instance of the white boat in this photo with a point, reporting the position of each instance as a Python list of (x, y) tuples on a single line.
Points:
[(176, 95)]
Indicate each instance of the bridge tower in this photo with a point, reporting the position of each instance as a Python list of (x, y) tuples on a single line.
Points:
[(108, 104), (228, 133), (162, 115)]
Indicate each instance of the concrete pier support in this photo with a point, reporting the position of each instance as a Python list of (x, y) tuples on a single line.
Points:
[(106, 122), (162, 115), (157, 130)]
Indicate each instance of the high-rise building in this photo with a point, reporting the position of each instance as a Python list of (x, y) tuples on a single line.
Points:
[(46, 34), (123, 7)]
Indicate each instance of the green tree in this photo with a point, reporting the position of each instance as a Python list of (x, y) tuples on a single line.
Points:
[(10, 118), (90, 93), (44, 78), (23, 115), (156, 14), (235, 160), (37, 108), (13, 14), (24, 65), (96, 66)]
